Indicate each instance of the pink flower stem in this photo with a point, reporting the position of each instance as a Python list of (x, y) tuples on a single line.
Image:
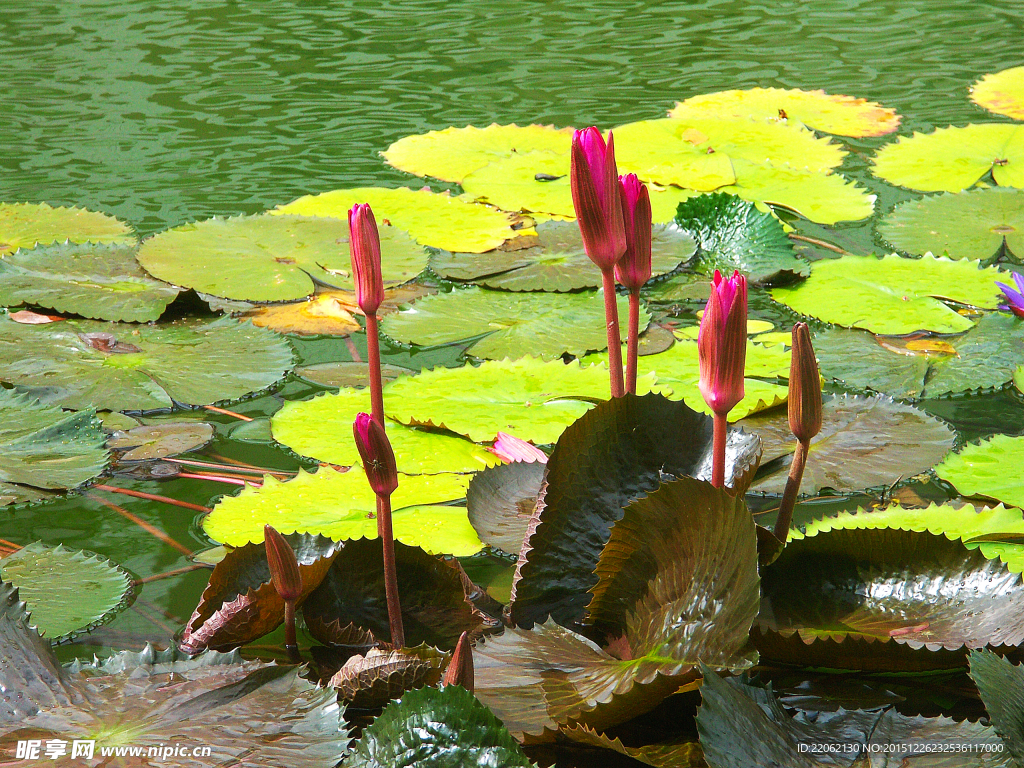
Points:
[(718, 456), (633, 342), (390, 572), (290, 645), (611, 315), (796, 474)]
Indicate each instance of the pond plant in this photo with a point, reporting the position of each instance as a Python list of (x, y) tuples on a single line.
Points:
[(678, 592)]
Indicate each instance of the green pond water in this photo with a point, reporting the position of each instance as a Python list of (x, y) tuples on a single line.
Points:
[(162, 113)]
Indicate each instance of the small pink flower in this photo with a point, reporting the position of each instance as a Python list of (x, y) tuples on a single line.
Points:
[(634, 268), (375, 452), (595, 196), (364, 246), (722, 343), (511, 448)]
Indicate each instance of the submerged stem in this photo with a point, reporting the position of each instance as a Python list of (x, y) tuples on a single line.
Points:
[(152, 529), (611, 316), (151, 497), (718, 455), (390, 572), (796, 474), (633, 341)]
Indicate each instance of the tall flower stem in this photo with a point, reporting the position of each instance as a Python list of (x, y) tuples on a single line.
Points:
[(611, 316), (718, 455), (796, 474), (390, 572), (633, 342), (373, 362), (291, 646)]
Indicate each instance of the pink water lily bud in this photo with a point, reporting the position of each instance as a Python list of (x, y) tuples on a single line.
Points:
[(595, 196), (284, 569), (376, 455), (722, 343), (511, 448), (634, 268), (804, 387), (364, 246)]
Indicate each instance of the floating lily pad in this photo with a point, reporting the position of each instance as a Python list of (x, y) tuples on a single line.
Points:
[(500, 502), (437, 220), (321, 428), (373, 680), (25, 225), (697, 152), (44, 450), (998, 532), (120, 367), (511, 324), (534, 182), (683, 754), (953, 159), (910, 588), (340, 505), (864, 442), (270, 258), (347, 374), (436, 608), (99, 281), (664, 575), (615, 453), (742, 726), (417, 732), (686, 286), (1001, 92), (126, 700), (1000, 684), (732, 234), (986, 221), (893, 294), (987, 469), (453, 153), (158, 441), (527, 398), (69, 591), (240, 604), (557, 263), (924, 365), (842, 115)]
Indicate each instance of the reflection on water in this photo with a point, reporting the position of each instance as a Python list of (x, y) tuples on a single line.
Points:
[(163, 112)]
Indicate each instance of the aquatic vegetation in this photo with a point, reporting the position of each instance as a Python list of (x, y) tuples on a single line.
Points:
[(1014, 296)]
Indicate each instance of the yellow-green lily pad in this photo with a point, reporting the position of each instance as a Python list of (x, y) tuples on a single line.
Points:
[(1001, 92), (893, 294), (340, 505), (25, 225), (989, 468)]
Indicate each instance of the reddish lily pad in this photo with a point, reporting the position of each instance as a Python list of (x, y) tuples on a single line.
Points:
[(501, 500), (371, 681)]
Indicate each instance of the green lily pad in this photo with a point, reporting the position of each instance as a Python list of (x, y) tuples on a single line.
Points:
[(158, 441), (347, 374), (617, 452), (527, 398), (120, 367), (987, 469), (126, 701), (340, 505), (889, 586), (500, 502), (732, 234), (419, 731), (99, 281), (953, 159), (437, 220), (864, 442), (557, 263), (535, 182), (240, 604), (321, 428), (1001, 92), (511, 324), (986, 221), (985, 529), (686, 286), (838, 114), (664, 575), (44, 450), (742, 726), (69, 591), (893, 294), (436, 606), (1000, 684), (983, 358), (26, 225), (454, 153), (270, 258)]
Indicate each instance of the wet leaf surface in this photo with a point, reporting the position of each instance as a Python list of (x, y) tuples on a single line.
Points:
[(372, 680), (1001, 685), (158, 441), (500, 503)]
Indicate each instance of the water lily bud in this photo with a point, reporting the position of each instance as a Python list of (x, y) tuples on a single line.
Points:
[(284, 569), (722, 343), (364, 246), (460, 668), (634, 268), (595, 196), (376, 455), (1014, 298), (804, 387)]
